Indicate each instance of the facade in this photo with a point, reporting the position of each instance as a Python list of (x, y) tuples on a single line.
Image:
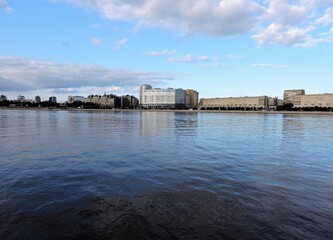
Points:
[(280, 102), (72, 99), (53, 99), (272, 103), (3, 98), (20, 98), (288, 96), (37, 99), (314, 100), (129, 102), (113, 101), (158, 98), (261, 102), (104, 101), (191, 98)]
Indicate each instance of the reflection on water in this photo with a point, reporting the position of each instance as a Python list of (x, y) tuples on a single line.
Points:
[(165, 175)]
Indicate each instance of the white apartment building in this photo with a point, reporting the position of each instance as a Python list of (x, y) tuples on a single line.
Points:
[(158, 98)]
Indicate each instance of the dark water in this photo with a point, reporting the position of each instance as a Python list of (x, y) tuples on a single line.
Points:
[(165, 175)]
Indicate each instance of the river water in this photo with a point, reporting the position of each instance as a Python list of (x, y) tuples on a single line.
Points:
[(165, 175)]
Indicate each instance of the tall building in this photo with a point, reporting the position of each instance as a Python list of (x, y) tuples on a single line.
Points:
[(158, 98), (37, 99), (288, 96), (53, 99), (191, 98), (261, 102)]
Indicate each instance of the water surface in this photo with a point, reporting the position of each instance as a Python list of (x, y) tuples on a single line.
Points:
[(165, 175)]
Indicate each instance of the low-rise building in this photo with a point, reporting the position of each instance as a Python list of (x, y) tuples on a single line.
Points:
[(104, 101), (272, 103), (260, 102), (72, 99), (314, 100), (129, 102)]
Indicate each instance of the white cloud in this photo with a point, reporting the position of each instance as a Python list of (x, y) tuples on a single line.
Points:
[(293, 22), (278, 34), (96, 41), (232, 56), (213, 65), (327, 18), (120, 43), (267, 65), (17, 74), (283, 12), (213, 17), (202, 58), (188, 58), (5, 6), (163, 52)]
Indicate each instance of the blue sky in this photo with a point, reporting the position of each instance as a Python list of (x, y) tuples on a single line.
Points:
[(221, 48)]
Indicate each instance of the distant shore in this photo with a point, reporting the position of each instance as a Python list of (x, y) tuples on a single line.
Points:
[(181, 111)]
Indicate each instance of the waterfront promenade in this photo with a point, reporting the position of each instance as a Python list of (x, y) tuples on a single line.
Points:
[(184, 111)]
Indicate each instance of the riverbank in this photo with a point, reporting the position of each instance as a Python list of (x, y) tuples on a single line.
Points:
[(181, 111)]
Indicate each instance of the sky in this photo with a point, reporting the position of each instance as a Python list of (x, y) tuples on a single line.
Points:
[(221, 48)]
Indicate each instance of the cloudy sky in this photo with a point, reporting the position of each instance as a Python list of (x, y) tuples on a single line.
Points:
[(221, 48)]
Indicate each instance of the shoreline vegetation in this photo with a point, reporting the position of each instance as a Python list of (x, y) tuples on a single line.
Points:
[(162, 110)]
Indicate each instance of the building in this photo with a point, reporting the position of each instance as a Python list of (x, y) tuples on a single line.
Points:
[(37, 99), (314, 100), (72, 99), (129, 102), (261, 102), (191, 98), (52, 99), (272, 103), (20, 98), (3, 98), (288, 96), (134, 102), (104, 101), (158, 98)]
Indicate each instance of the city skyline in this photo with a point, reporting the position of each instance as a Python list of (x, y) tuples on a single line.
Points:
[(219, 48)]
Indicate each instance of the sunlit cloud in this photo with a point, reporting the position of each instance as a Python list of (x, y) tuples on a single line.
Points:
[(120, 43), (267, 65), (5, 6), (163, 52), (188, 58), (298, 23), (232, 56)]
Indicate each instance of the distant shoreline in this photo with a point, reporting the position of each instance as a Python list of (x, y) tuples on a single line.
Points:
[(181, 111)]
